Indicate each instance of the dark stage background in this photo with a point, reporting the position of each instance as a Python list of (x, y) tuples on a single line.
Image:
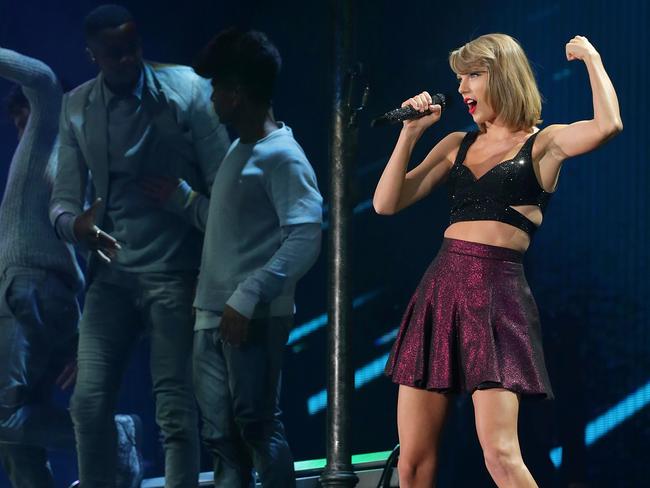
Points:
[(588, 265)]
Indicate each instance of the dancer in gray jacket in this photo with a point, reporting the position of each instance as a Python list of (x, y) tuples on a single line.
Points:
[(39, 283), (122, 134)]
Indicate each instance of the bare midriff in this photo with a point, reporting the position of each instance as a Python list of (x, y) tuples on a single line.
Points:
[(496, 233)]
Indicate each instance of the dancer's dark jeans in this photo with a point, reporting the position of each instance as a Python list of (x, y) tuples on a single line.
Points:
[(38, 326), (115, 316), (238, 390)]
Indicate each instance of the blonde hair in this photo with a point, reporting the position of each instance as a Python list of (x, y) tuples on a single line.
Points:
[(512, 90)]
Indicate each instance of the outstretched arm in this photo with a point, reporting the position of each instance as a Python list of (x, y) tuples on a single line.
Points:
[(560, 142)]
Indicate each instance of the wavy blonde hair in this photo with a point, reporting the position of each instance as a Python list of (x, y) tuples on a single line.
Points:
[(512, 90)]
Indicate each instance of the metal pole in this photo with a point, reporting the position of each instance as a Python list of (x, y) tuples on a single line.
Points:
[(338, 471)]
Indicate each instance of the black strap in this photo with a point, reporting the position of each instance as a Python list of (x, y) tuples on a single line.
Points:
[(528, 145), (467, 141), (516, 218)]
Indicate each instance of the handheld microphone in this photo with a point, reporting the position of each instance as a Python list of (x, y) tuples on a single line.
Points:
[(408, 113)]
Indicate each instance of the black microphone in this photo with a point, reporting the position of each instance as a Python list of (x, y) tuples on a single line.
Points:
[(408, 112)]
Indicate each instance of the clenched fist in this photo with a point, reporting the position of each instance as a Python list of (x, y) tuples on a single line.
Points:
[(430, 113), (580, 48)]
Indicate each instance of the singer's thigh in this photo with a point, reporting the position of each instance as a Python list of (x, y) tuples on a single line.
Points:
[(421, 416)]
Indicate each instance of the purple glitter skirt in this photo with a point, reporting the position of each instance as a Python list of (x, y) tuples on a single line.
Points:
[(472, 323)]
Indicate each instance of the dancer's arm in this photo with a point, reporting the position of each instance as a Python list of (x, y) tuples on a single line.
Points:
[(30, 73), (211, 143), (397, 188), (293, 192), (559, 142), (42, 89), (298, 252)]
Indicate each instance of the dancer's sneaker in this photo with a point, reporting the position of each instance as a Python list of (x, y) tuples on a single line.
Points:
[(130, 471)]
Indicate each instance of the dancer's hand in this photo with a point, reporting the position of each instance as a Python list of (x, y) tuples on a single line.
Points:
[(422, 103), (92, 236), (158, 188), (68, 375), (233, 328), (580, 48)]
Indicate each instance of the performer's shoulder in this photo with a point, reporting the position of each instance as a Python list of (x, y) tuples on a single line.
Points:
[(454, 139), (172, 71), (178, 78), (80, 91), (292, 163), (450, 144), (160, 67), (283, 142), (457, 135)]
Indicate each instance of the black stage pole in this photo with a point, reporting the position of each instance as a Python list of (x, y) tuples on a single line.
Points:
[(339, 471)]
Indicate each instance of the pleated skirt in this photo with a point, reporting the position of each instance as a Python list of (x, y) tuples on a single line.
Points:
[(472, 323)]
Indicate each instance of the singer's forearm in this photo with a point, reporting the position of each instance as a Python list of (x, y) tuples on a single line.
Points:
[(606, 109), (387, 194), (398, 188)]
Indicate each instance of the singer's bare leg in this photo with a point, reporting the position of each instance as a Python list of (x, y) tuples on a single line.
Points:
[(420, 418), (496, 411)]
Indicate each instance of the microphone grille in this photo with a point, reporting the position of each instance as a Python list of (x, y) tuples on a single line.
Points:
[(440, 99)]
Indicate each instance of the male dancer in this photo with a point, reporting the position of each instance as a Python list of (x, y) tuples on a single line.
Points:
[(263, 233), (39, 283), (130, 128)]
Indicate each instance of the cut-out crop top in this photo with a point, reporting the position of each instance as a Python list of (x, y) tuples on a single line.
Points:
[(491, 197)]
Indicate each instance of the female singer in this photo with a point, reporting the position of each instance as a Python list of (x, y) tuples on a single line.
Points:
[(472, 324)]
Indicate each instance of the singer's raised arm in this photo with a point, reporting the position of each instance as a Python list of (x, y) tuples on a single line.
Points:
[(561, 141)]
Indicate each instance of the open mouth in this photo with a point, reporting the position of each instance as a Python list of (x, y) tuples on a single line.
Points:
[(471, 105)]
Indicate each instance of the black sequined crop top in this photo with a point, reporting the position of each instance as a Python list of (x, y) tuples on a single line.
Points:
[(511, 182)]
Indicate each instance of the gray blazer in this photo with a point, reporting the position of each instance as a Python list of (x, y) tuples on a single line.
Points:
[(194, 142)]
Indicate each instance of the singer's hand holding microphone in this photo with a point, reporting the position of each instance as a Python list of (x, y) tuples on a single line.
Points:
[(424, 104), (419, 112)]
